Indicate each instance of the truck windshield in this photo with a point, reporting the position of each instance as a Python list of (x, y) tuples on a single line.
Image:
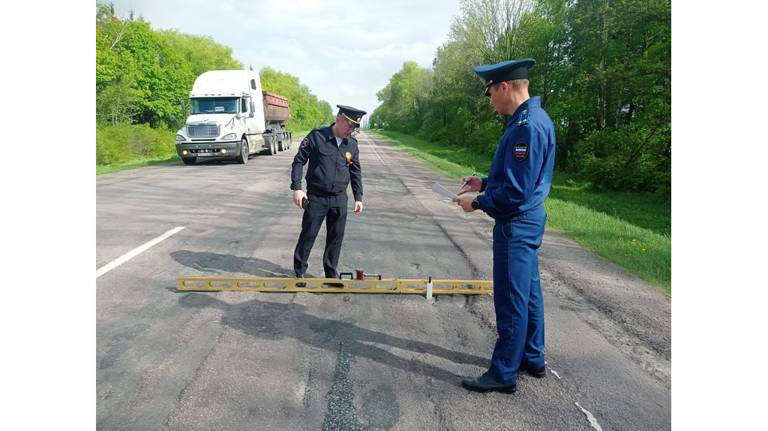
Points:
[(215, 105)]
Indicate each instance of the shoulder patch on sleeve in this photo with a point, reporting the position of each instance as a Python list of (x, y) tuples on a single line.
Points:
[(521, 151), (305, 142)]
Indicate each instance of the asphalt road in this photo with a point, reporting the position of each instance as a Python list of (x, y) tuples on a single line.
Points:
[(247, 360)]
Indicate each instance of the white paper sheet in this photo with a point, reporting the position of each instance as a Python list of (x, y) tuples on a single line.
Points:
[(442, 191)]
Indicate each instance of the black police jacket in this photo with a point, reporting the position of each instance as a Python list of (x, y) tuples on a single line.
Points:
[(331, 167)]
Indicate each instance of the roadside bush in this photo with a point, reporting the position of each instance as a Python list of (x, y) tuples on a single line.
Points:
[(628, 159), (124, 143)]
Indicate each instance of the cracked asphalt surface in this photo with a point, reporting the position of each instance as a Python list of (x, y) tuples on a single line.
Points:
[(246, 360)]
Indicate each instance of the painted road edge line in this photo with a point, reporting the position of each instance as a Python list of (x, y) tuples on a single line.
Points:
[(135, 252), (373, 147), (592, 421)]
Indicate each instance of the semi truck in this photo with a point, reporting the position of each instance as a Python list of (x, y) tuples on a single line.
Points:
[(231, 117)]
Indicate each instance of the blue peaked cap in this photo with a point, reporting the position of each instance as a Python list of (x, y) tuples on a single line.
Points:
[(504, 71)]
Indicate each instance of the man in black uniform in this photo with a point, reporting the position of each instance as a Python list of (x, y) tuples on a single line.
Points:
[(334, 161)]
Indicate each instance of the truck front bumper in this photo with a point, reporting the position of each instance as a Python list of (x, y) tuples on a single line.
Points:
[(208, 149)]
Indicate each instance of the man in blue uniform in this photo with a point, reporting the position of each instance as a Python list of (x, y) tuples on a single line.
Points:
[(334, 161), (513, 195)]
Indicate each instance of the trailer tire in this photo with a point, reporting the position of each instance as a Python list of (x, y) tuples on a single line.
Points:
[(265, 145), (243, 157)]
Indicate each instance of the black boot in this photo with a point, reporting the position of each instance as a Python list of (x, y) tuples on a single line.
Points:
[(486, 383), (534, 371)]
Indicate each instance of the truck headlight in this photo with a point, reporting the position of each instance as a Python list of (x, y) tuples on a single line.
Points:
[(180, 138), (229, 136)]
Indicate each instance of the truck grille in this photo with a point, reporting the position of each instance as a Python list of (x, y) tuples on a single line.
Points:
[(203, 130)]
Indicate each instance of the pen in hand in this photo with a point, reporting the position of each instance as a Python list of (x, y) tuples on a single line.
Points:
[(462, 187), (466, 181)]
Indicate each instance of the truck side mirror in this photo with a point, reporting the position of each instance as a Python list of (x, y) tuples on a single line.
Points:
[(175, 121)]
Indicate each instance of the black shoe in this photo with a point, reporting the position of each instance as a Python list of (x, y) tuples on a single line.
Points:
[(534, 371), (486, 383)]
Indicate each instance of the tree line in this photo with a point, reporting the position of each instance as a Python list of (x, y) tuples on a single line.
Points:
[(142, 74), (603, 71)]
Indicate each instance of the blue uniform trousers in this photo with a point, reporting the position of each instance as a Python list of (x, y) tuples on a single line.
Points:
[(517, 294)]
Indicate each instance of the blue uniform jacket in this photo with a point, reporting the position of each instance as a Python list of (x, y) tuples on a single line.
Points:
[(521, 170), (331, 168)]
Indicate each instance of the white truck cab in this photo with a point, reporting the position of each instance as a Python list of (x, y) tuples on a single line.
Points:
[(232, 117)]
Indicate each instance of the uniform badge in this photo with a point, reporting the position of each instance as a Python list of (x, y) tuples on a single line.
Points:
[(348, 155), (521, 151), (304, 143)]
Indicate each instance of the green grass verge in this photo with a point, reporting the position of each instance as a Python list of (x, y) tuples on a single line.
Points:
[(138, 163), (632, 230), (454, 162)]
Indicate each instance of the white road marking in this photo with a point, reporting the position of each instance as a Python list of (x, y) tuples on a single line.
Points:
[(590, 418), (555, 373), (373, 147), (135, 252)]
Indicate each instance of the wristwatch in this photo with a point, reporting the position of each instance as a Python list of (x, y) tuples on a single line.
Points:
[(475, 204)]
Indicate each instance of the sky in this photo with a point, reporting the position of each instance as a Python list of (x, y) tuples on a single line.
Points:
[(343, 50)]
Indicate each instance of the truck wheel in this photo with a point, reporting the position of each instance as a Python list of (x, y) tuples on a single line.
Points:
[(273, 146), (289, 140), (266, 145), (243, 157), (280, 145), (189, 160)]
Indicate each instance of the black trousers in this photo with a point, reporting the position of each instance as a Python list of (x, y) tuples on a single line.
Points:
[(333, 210)]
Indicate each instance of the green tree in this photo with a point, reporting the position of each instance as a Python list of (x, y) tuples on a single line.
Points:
[(603, 71), (620, 53), (405, 97), (202, 53), (117, 103), (145, 69)]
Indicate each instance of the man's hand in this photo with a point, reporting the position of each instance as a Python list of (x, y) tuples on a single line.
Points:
[(358, 207), (471, 184), (298, 195), (465, 202)]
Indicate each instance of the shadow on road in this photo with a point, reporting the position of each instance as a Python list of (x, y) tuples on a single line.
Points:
[(215, 262), (273, 321)]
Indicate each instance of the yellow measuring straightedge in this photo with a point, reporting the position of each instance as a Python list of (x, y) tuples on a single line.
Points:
[(333, 285)]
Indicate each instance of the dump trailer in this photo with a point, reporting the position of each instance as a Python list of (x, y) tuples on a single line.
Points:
[(232, 117)]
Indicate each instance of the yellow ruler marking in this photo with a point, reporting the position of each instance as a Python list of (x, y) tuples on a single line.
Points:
[(331, 285)]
